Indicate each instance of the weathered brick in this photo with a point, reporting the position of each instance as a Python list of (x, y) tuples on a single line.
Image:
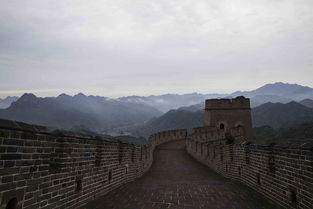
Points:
[(8, 171), (9, 163), (7, 179), (7, 186), (17, 142), (9, 156)]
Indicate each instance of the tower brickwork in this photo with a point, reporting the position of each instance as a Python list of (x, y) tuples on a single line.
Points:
[(229, 113)]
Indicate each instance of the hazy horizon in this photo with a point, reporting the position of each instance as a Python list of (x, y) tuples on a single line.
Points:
[(122, 48), (38, 94)]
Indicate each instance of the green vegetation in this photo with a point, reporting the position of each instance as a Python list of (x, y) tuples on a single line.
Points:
[(296, 133), (98, 114), (279, 115), (229, 138)]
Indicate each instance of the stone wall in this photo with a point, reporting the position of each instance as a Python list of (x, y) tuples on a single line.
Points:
[(282, 173), (211, 133), (229, 113), (40, 169)]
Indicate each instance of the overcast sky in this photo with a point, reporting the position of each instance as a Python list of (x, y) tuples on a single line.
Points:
[(142, 47)]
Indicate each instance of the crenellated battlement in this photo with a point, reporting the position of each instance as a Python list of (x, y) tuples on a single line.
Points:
[(226, 114), (236, 103), (211, 133), (62, 169), (178, 134), (281, 172)]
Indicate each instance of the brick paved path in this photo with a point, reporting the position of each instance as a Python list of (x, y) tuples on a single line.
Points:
[(175, 180)]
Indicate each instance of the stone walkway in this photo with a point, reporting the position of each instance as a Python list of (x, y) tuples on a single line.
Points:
[(175, 180)]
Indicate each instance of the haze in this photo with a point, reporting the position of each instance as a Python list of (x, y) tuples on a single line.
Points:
[(117, 48)]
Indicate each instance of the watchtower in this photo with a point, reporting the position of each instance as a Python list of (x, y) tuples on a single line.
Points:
[(229, 113)]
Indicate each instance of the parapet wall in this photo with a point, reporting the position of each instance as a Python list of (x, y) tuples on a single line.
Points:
[(211, 133), (236, 103), (45, 170), (282, 173), (165, 136)]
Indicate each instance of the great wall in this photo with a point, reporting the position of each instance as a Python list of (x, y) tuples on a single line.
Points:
[(42, 169)]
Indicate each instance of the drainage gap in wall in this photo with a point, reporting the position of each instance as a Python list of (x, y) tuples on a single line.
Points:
[(110, 175), (247, 156), (226, 168), (293, 197), (258, 176), (239, 171), (79, 185), (12, 204)]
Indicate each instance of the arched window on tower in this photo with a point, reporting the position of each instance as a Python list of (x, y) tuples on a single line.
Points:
[(12, 204), (222, 126)]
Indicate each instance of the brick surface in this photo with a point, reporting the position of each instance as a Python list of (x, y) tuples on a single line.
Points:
[(66, 170), (60, 169), (175, 180)]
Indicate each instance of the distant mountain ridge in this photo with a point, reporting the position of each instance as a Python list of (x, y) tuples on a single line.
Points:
[(96, 113), (6, 102), (293, 91), (103, 114), (167, 102), (173, 119), (194, 108), (302, 132), (307, 103), (278, 115), (274, 92)]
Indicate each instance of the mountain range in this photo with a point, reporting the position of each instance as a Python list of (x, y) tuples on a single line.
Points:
[(291, 91), (276, 105), (307, 103), (173, 119), (6, 102), (298, 132), (95, 113), (279, 115), (276, 93), (168, 102)]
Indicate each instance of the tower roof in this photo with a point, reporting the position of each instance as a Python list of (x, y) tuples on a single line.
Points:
[(239, 102)]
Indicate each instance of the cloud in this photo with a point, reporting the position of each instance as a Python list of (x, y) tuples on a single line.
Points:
[(124, 46)]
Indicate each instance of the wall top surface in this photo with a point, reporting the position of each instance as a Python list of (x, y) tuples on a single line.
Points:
[(236, 103)]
